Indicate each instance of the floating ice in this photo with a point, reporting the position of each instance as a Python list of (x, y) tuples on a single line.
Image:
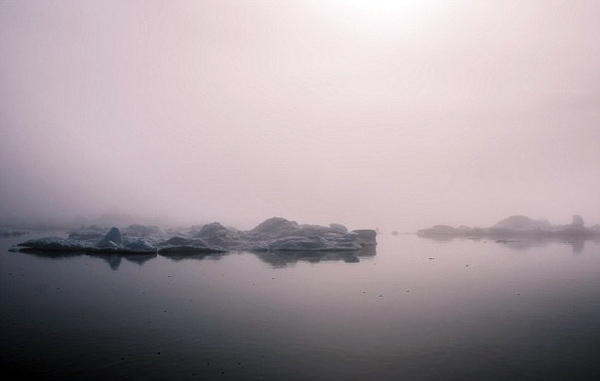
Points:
[(274, 234), (517, 227)]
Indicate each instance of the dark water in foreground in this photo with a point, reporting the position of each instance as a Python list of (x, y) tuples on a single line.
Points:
[(417, 310)]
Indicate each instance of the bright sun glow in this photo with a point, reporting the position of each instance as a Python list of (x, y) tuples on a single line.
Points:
[(381, 7), (381, 18)]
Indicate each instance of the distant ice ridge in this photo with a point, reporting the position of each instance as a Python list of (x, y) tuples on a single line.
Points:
[(273, 234), (518, 227)]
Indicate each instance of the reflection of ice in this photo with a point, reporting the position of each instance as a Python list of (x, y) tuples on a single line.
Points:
[(276, 259), (275, 240), (274, 234), (197, 256), (577, 245), (522, 244), (140, 259), (114, 261), (50, 254), (282, 259)]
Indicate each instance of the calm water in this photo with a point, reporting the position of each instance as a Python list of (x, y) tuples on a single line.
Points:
[(417, 310)]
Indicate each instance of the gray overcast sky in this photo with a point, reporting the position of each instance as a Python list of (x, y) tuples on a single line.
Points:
[(391, 114)]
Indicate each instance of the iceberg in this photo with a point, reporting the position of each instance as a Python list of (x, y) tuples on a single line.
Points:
[(516, 227), (272, 235), (53, 243)]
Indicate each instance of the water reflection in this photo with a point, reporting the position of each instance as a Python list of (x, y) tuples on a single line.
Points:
[(114, 260), (279, 259), (503, 317), (48, 254), (577, 244), (140, 259), (196, 257), (282, 259)]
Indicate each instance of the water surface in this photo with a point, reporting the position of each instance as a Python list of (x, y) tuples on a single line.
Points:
[(416, 309)]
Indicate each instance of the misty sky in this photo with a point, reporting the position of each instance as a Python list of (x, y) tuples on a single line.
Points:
[(396, 115)]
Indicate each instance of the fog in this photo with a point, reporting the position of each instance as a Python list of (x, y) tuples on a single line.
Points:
[(390, 115)]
